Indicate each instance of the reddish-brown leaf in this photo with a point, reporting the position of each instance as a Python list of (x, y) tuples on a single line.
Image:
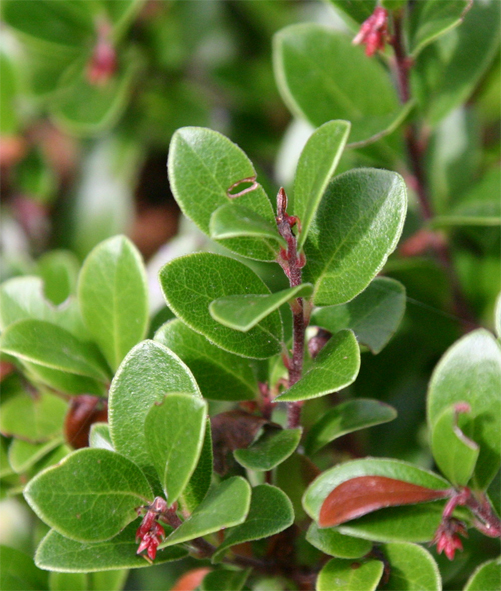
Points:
[(83, 412), (191, 580), (364, 494)]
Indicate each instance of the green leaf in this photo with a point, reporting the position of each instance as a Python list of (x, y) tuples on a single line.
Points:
[(61, 554), (340, 575), (113, 297), (63, 381), (335, 367), (243, 312), (65, 581), (233, 221), (174, 430), (201, 479), (271, 449), (19, 573), (316, 167), (415, 523), (59, 271), (454, 452), (224, 506), (322, 76), (23, 454), (33, 419), (347, 417), (270, 513), (357, 10), (100, 437), (497, 316), (54, 347), (357, 226), (90, 496), (9, 118), (374, 315), (331, 542), (203, 165), (207, 277), (293, 477), (109, 580), (487, 577), (229, 580), (431, 18), (411, 567), (147, 374), (470, 372), (219, 374)]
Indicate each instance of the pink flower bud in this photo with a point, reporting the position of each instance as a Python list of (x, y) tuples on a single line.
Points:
[(373, 32)]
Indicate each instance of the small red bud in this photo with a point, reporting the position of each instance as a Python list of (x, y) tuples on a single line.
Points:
[(373, 32)]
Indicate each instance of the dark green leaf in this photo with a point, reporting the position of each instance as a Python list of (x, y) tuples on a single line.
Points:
[(243, 312), (58, 553), (270, 512), (358, 10), (18, 572), (90, 496), (470, 372), (63, 381), (340, 575), (347, 417), (233, 221), (201, 479), (113, 297), (331, 542), (357, 226), (174, 431), (207, 277), (293, 477), (335, 367), (411, 567), (273, 448), (374, 315), (229, 580), (224, 506), (487, 577)]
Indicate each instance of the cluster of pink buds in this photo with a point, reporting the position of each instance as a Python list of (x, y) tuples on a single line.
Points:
[(373, 32), (150, 532), (447, 537), (103, 62)]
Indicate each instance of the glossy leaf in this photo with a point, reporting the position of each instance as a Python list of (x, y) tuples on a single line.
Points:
[(411, 567), (271, 449), (53, 347), (174, 431), (23, 454), (322, 76), (470, 372), (316, 167), (270, 513), (203, 166), (487, 577), (357, 226), (340, 574), (347, 417), (374, 315), (201, 479), (335, 367), (415, 523), (19, 573), (219, 374), (208, 277), (224, 506), (100, 437), (365, 494), (147, 374), (233, 221), (243, 312), (61, 554), (229, 580), (90, 496), (331, 542), (113, 297)]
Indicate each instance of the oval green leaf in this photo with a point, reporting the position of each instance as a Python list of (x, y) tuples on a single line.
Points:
[(487, 577), (412, 568), (233, 221), (270, 450), (343, 575), (331, 542)]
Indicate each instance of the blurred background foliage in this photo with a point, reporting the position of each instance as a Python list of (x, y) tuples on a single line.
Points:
[(91, 93)]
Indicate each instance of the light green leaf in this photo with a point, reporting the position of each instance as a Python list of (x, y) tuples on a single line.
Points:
[(411, 567), (65, 581), (497, 316), (347, 417), (59, 271), (147, 374), (470, 371), (340, 575), (331, 542), (219, 374), (63, 381), (357, 226), (335, 367), (61, 554), (322, 76), (225, 506), (9, 118), (233, 221), (23, 454), (90, 496), (272, 448), (316, 167), (203, 165), (174, 430), (270, 513), (416, 523), (431, 18), (207, 277), (243, 312), (201, 479), (100, 437), (487, 577), (113, 297), (19, 573), (358, 11), (229, 580), (109, 580), (49, 345), (374, 315)]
